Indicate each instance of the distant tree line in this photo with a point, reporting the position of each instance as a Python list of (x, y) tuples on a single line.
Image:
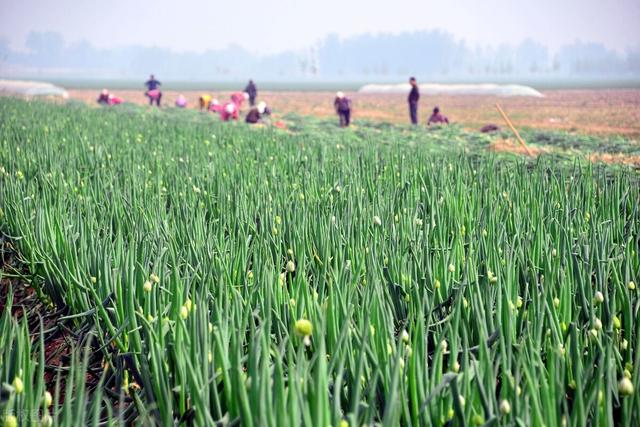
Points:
[(367, 57)]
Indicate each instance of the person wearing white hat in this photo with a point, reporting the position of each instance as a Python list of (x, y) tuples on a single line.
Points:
[(104, 97), (258, 114), (230, 111), (342, 104), (107, 98), (215, 106)]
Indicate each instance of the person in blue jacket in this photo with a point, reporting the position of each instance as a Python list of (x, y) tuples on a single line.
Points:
[(153, 90)]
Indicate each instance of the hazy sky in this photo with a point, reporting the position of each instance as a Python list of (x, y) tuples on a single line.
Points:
[(275, 25)]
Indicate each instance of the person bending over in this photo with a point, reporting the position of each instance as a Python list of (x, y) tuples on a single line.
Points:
[(258, 114), (437, 117)]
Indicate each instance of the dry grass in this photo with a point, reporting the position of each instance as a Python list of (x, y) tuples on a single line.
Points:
[(615, 158), (500, 145)]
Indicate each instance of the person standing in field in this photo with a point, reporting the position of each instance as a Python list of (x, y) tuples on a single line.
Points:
[(414, 97), (153, 92), (252, 90), (342, 104)]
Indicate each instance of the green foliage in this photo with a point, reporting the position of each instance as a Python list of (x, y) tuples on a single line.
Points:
[(195, 247)]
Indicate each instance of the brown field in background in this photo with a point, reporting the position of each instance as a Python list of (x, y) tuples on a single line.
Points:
[(599, 112)]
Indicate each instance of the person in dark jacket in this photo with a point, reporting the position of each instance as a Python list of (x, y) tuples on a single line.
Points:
[(414, 97), (153, 92), (103, 99), (342, 104), (252, 90), (258, 114), (437, 117)]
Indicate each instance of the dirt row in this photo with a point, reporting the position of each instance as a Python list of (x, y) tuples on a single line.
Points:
[(597, 112)]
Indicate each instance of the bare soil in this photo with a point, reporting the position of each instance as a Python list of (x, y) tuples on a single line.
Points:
[(594, 111)]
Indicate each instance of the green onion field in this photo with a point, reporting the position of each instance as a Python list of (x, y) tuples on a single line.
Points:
[(204, 273)]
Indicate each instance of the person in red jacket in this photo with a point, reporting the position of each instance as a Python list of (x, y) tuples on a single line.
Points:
[(215, 106), (437, 117), (239, 97), (230, 111)]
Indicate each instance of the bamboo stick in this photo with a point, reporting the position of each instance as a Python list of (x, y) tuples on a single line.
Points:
[(513, 129)]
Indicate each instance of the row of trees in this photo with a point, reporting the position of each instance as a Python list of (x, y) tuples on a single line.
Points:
[(427, 53), (438, 53)]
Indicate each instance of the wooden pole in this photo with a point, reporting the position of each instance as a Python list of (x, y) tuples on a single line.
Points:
[(513, 129)]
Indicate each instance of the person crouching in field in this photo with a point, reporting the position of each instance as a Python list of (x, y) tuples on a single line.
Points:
[(258, 114), (103, 99), (239, 97), (153, 92), (230, 111), (215, 106), (342, 104), (106, 98), (437, 117), (181, 101), (204, 101)]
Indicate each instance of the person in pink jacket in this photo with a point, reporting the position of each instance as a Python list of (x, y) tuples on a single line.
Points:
[(230, 111), (239, 97), (114, 100), (215, 106), (181, 101)]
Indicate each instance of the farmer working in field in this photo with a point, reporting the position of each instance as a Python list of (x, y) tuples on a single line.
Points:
[(239, 97), (153, 92), (103, 99), (342, 104), (205, 101), (252, 90), (107, 98), (215, 106), (181, 101), (414, 97), (437, 117), (258, 114), (231, 110)]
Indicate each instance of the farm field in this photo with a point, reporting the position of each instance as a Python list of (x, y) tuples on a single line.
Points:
[(162, 267), (602, 112)]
